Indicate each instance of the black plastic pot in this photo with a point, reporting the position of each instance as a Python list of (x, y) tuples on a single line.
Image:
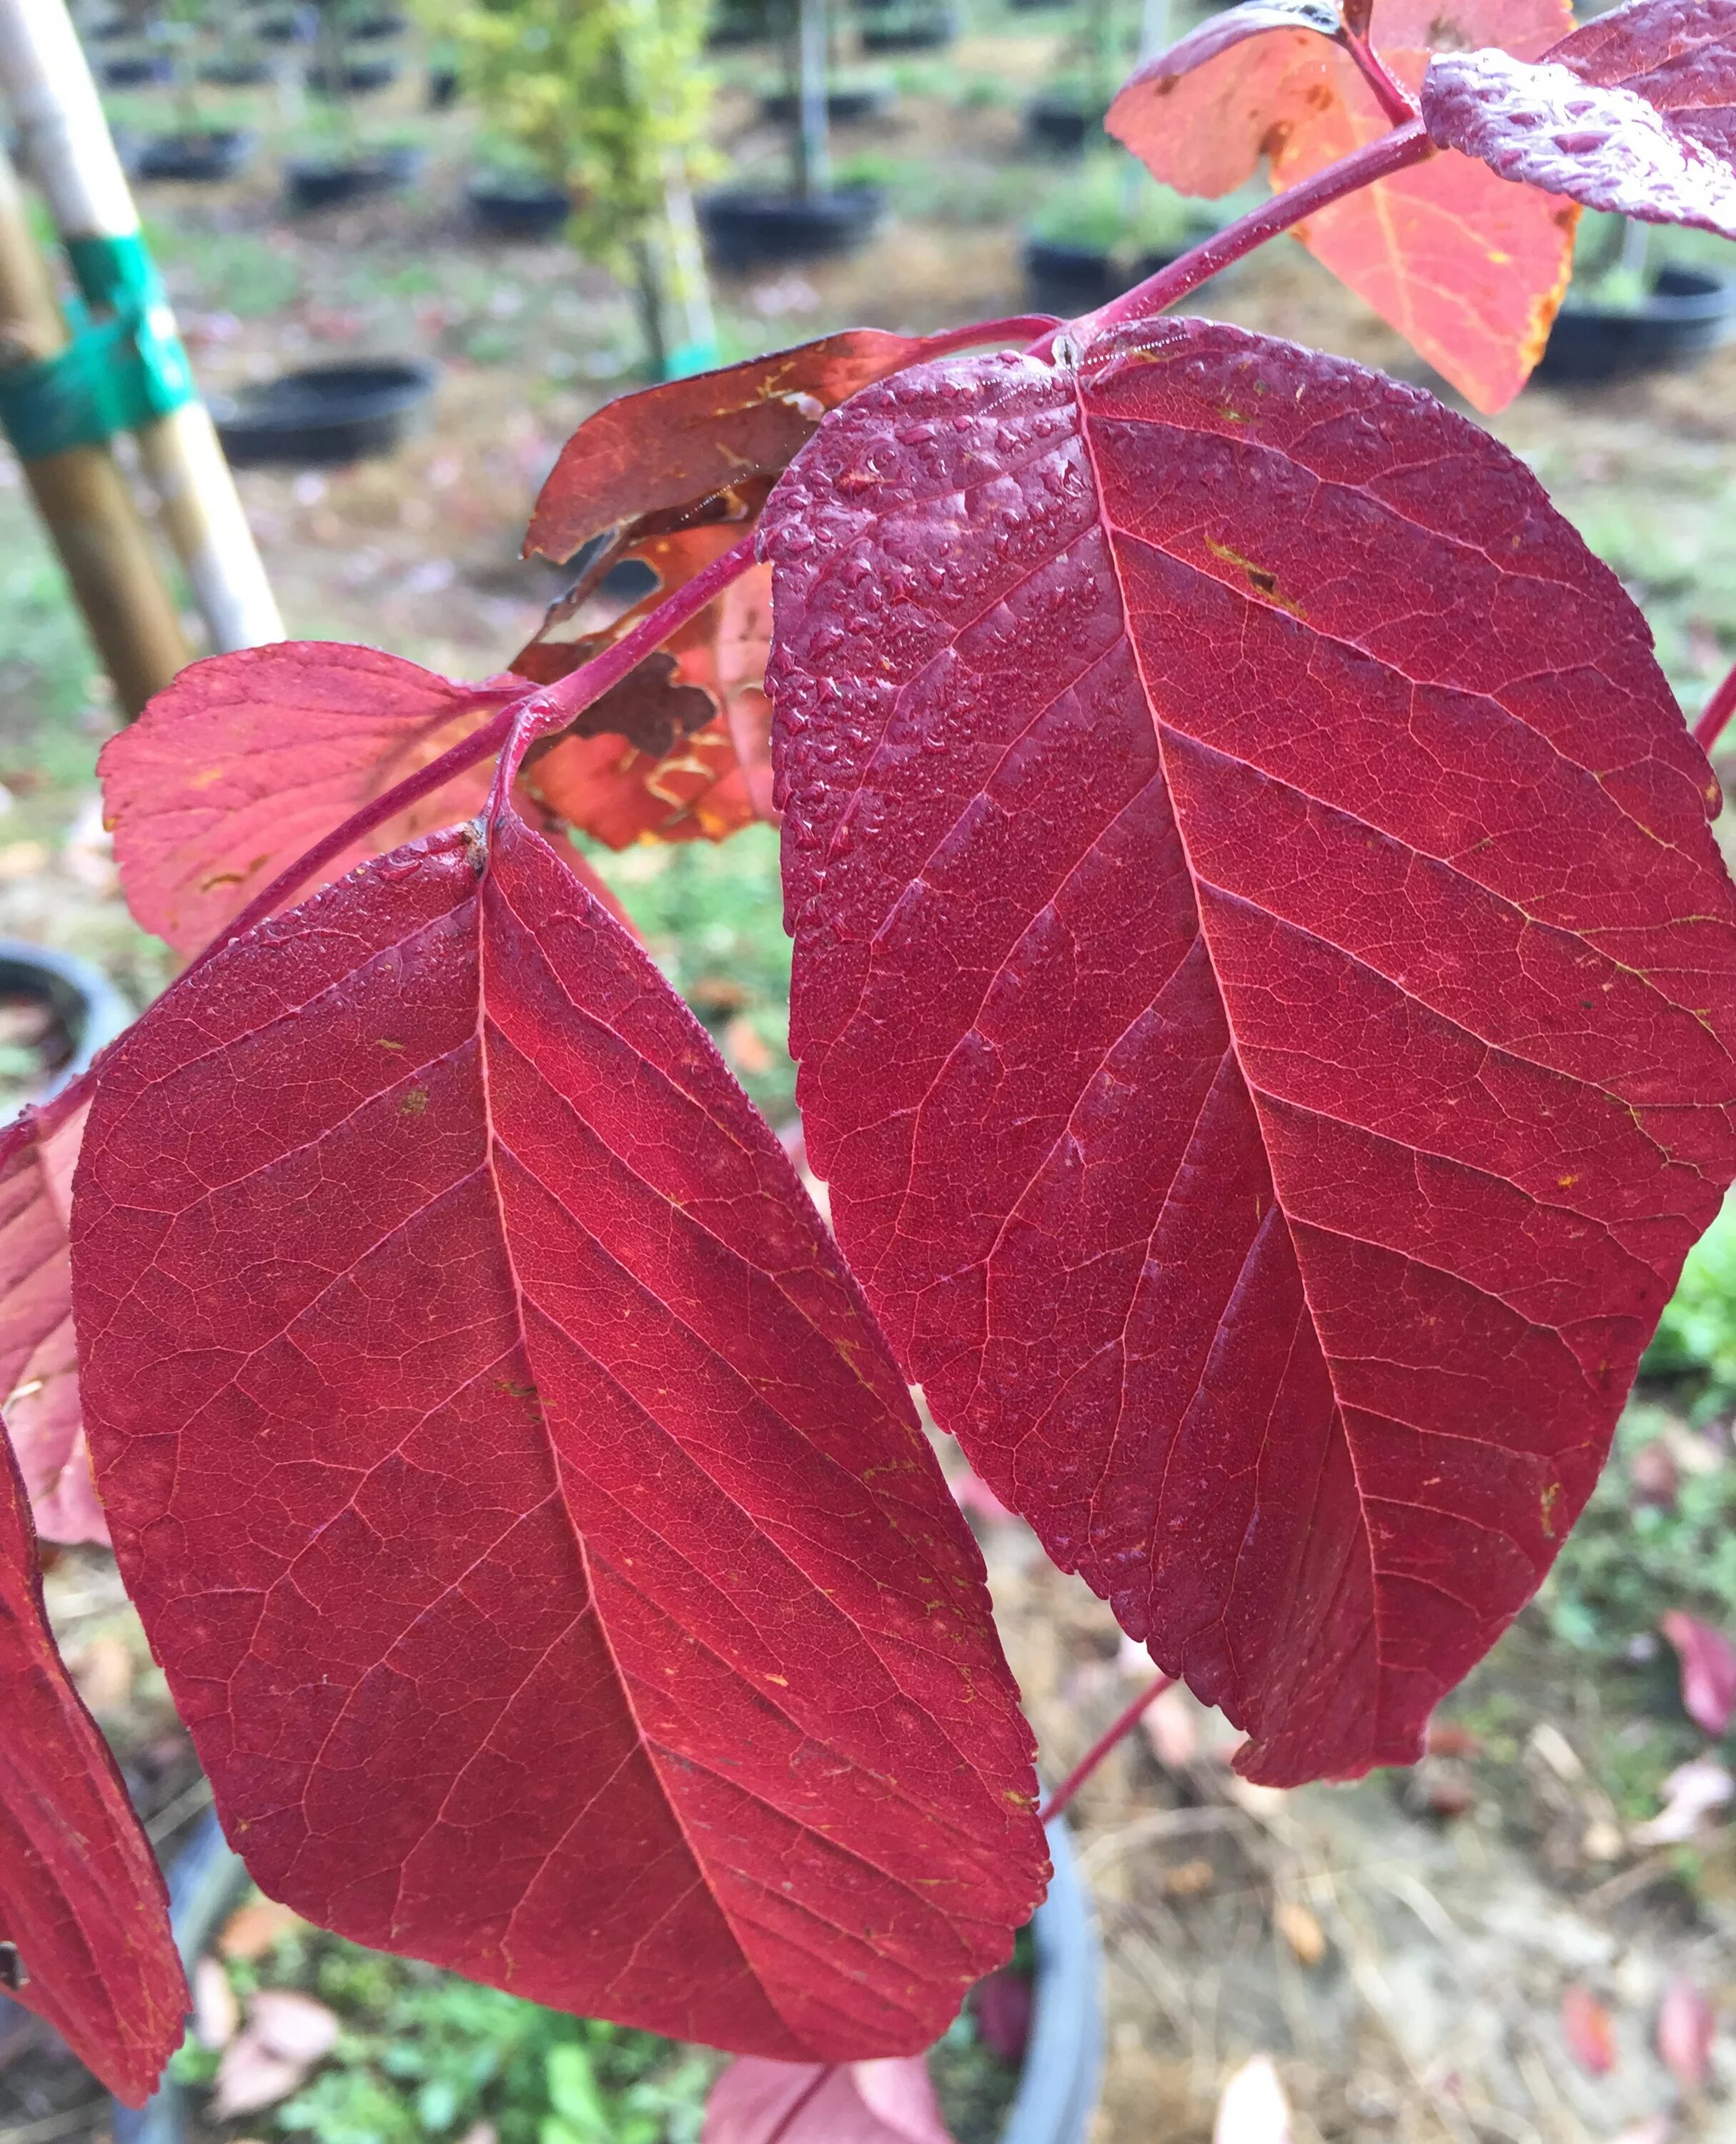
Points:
[(857, 100), (443, 88), (1075, 279), (200, 159), (927, 32), (751, 230), (315, 182), (519, 208), (237, 74), (326, 414), (1056, 121), (300, 27), (1057, 2084), (353, 78), (88, 1012), (1689, 312), (387, 23), (138, 71)]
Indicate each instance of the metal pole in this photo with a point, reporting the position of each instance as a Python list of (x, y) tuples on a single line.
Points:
[(82, 497), (68, 149)]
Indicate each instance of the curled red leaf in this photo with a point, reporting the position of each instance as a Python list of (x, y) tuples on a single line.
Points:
[(1268, 1142), (1634, 114), (1709, 1670), (538, 1538), (83, 1912)]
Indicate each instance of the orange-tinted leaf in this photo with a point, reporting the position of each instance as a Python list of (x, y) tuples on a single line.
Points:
[(38, 1363), (672, 445), (1470, 269), (248, 759), (82, 1907), (1590, 2035)]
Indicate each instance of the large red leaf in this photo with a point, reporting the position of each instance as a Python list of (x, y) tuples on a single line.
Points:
[(248, 759), (38, 1361), (883, 2102), (536, 1537), (1470, 271), (667, 447), (82, 1902), (1264, 987), (1635, 113)]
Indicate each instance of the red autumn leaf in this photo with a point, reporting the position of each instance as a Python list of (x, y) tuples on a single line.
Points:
[(710, 775), (1687, 2026), (247, 760), (1635, 113), (536, 1537), (38, 1360), (82, 1903), (670, 446), (877, 2102), (1586, 2028), (1709, 1670), (1471, 271), (1263, 988), (1003, 2004)]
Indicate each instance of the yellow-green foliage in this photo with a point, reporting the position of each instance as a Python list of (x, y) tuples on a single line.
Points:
[(600, 94)]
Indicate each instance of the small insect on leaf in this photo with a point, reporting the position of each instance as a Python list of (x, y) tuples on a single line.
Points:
[(1633, 114)]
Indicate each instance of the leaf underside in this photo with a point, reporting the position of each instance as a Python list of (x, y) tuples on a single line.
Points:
[(1263, 988), (1469, 268), (535, 1533), (1634, 114), (81, 1898)]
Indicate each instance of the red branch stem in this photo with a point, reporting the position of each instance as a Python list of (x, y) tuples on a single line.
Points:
[(536, 712), (1394, 99), (1718, 710), (1100, 1748), (1393, 152)]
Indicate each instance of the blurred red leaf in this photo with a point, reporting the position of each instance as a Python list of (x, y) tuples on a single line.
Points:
[(1634, 114), (1709, 1670), (1002, 2004), (1469, 268), (38, 1360), (247, 760), (480, 1406), (756, 2101), (1586, 2028), (1687, 2026), (1691, 1793), (82, 1907)]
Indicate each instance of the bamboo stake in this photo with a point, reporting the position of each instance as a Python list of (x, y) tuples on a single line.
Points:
[(68, 150), (82, 495)]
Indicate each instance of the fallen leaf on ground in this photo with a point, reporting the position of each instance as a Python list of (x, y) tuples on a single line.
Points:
[(1586, 2028), (1687, 2026), (252, 1929), (216, 2012), (1253, 2109), (1690, 1794), (292, 2025), (756, 2101), (1300, 1929), (1709, 1670)]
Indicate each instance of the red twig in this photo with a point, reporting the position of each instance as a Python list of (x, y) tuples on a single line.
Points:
[(1394, 99), (1100, 1750), (1396, 151), (1718, 710), (535, 712)]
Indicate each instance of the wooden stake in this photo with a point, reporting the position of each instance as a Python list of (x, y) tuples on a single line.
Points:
[(68, 150), (82, 495)]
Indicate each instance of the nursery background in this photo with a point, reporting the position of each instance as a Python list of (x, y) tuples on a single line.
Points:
[(408, 253)]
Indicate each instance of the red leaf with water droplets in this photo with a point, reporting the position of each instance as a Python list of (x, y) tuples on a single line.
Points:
[(1470, 271), (1709, 1670), (1264, 989), (537, 1536), (38, 1360), (879, 2102), (1687, 2027), (1634, 114), (667, 447), (1588, 2031), (247, 760), (82, 1904)]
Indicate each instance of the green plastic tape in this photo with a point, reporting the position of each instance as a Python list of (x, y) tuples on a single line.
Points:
[(123, 369)]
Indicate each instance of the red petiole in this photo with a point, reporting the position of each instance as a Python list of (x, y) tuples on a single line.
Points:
[(1718, 710), (1394, 99), (1101, 1747)]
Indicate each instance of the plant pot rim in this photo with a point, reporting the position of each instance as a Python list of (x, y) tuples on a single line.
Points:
[(91, 1008), (1707, 295)]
